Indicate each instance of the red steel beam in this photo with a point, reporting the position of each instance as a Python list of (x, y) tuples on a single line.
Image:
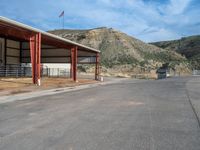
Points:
[(59, 44), (17, 33)]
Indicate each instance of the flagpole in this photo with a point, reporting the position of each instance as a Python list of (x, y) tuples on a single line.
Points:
[(63, 21)]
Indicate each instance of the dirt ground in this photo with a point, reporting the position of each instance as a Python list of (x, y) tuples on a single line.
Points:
[(10, 86)]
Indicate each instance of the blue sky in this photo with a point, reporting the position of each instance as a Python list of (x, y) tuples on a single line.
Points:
[(148, 20)]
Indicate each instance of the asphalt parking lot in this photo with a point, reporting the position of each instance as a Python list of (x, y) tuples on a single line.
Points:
[(126, 115)]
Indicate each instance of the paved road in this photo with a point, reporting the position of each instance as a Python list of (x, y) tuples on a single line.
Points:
[(131, 115)]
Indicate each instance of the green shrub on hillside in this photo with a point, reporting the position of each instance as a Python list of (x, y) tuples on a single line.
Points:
[(163, 56)]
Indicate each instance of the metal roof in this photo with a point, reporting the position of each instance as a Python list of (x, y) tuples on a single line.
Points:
[(24, 26)]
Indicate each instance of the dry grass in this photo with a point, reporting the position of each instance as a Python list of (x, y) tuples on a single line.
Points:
[(8, 83), (22, 85), (18, 91), (149, 75)]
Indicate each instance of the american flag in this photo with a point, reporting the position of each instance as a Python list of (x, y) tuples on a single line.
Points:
[(62, 14)]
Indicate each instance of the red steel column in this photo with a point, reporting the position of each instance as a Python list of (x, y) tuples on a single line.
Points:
[(71, 62), (38, 58), (35, 52), (75, 64), (32, 54), (73, 69), (97, 67)]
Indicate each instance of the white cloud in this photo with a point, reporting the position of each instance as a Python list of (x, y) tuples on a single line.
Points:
[(177, 7), (148, 21), (159, 35)]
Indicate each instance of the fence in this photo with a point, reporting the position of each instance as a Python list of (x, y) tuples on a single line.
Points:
[(196, 72), (55, 72), (21, 71), (17, 71)]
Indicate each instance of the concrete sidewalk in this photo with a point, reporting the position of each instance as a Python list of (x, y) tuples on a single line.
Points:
[(24, 96)]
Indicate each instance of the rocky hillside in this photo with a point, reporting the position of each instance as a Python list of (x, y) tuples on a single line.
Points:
[(187, 46), (118, 48)]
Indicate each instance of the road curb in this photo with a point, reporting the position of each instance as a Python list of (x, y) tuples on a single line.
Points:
[(26, 96)]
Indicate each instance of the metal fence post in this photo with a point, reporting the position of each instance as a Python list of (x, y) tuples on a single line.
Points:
[(17, 73), (6, 72)]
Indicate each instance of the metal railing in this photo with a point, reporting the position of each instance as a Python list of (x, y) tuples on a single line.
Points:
[(55, 72), (21, 71), (14, 71), (196, 72), (17, 71)]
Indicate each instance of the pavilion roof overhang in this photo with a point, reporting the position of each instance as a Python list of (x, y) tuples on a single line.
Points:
[(22, 32)]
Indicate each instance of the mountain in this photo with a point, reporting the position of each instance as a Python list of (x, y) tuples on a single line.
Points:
[(118, 48), (187, 46)]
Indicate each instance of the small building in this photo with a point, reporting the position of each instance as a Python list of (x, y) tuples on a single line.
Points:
[(163, 72), (195, 72)]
